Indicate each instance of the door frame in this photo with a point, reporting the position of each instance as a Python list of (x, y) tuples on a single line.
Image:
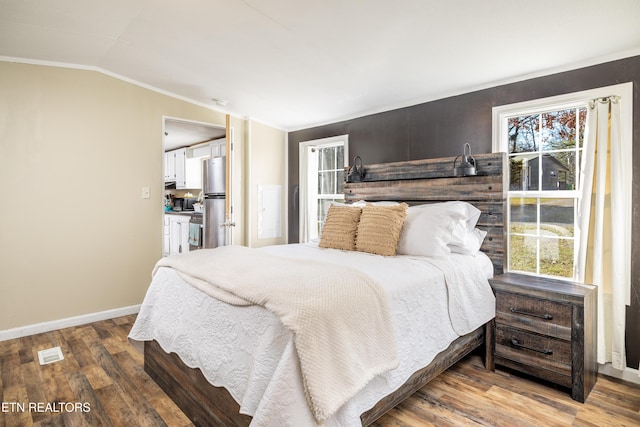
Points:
[(229, 135)]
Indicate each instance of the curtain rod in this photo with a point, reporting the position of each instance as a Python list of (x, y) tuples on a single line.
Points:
[(603, 100)]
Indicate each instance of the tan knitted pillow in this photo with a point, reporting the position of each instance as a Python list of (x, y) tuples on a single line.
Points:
[(340, 227), (379, 229)]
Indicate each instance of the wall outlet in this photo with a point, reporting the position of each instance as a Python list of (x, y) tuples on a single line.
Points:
[(146, 193)]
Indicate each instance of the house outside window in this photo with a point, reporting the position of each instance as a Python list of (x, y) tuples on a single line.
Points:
[(544, 140)]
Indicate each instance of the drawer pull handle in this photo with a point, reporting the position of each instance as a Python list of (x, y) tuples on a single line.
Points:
[(527, 313), (515, 343)]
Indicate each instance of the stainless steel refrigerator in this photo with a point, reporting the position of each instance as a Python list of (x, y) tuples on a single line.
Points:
[(214, 185)]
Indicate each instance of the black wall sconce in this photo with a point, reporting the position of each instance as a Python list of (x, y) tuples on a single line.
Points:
[(356, 172), (467, 165)]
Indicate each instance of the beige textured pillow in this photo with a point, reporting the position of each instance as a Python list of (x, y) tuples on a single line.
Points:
[(379, 229), (340, 227)]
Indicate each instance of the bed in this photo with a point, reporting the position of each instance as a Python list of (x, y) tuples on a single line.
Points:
[(220, 361)]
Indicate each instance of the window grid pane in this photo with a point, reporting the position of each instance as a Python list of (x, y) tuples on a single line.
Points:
[(558, 130)]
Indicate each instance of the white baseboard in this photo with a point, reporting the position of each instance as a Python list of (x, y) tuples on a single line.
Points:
[(39, 328), (629, 374)]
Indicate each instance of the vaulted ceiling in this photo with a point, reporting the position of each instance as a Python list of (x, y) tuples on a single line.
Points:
[(299, 63)]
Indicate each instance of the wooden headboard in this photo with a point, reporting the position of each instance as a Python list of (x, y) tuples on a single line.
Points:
[(432, 180)]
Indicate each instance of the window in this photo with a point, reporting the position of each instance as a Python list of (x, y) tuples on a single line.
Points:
[(544, 140), (322, 164), (544, 149)]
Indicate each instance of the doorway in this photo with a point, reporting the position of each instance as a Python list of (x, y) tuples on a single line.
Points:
[(187, 145)]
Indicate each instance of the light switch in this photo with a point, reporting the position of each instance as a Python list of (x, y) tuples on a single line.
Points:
[(146, 193)]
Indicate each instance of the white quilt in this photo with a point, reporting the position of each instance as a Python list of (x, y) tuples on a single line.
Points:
[(247, 350), (323, 304)]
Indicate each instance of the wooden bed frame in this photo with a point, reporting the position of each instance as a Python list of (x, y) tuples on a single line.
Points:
[(420, 181)]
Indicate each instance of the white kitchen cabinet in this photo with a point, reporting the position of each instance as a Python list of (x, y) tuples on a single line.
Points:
[(181, 168), (200, 150), (169, 166), (219, 148), (166, 236), (178, 233), (175, 167), (193, 173)]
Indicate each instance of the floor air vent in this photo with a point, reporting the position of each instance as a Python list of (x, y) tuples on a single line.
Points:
[(50, 355)]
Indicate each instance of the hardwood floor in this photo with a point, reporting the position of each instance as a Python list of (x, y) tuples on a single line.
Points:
[(104, 373)]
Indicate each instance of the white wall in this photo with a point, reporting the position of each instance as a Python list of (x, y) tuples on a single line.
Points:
[(266, 159), (76, 148)]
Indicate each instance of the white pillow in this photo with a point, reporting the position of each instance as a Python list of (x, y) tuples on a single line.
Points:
[(470, 215), (467, 217), (472, 244), (427, 232)]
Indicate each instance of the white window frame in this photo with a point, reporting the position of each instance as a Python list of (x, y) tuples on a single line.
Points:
[(308, 183), (500, 139)]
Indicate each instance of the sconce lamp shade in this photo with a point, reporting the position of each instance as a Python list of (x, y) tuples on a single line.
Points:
[(467, 164), (356, 172)]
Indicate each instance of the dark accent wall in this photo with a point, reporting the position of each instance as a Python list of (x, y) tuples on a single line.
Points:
[(440, 128)]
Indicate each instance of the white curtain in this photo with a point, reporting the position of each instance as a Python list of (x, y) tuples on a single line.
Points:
[(604, 256), (308, 181)]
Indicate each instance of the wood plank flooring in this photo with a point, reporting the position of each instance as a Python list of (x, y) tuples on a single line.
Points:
[(103, 372)]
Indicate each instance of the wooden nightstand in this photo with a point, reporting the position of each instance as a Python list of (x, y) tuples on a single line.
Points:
[(547, 328)]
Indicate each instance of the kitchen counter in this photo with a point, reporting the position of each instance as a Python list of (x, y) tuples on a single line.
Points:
[(182, 213)]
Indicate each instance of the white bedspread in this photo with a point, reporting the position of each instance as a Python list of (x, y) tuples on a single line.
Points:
[(323, 304), (248, 351)]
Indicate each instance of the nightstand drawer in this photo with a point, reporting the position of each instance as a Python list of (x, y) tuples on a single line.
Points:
[(533, 349), (534, 314)]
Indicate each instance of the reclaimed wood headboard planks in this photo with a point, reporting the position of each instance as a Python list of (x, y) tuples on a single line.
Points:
[(432, 180)]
